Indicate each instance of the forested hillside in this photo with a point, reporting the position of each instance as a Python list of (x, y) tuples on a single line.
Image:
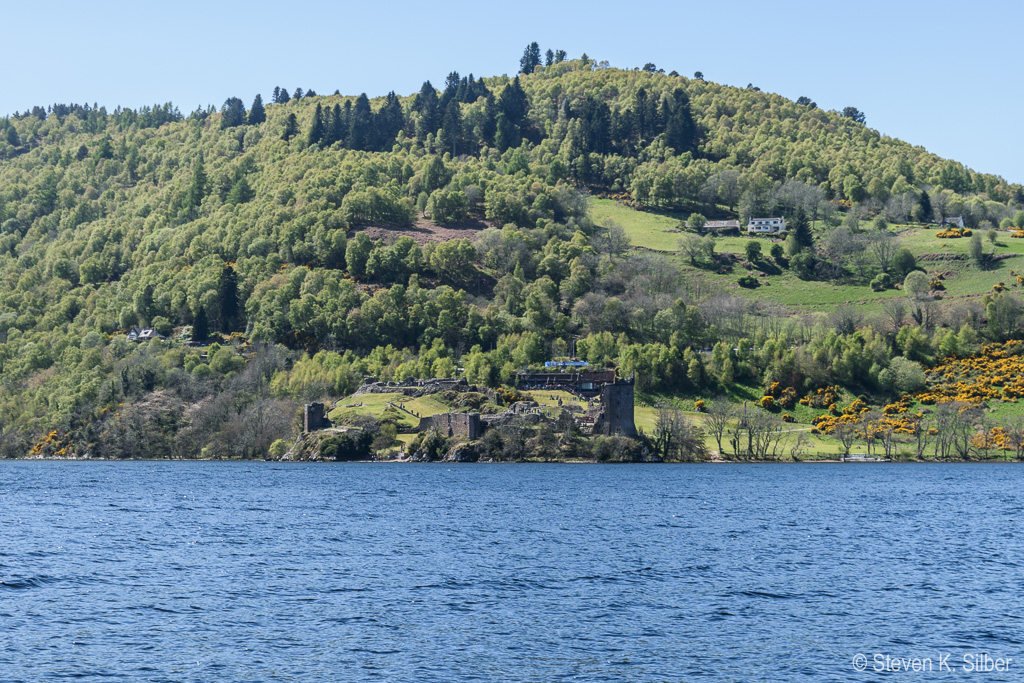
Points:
[(310, 241)]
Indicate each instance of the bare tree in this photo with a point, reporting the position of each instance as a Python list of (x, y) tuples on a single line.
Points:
[(895, 311), (800, 445), (677, 438), (964, 417), (921, 435), (838, 245), (612, 240), (940, 206), (847, 433), (720, 414), (757, 434), (845, 319), (883, 247), (725, 187), (692, 246), (954, 423), (1014, 431)]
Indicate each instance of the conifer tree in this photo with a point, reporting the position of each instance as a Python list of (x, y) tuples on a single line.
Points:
[(361, 125), (227, 289), (240, 192), (801, 230), (200, 325), (530, 59), (316, 128), (451, 89), (451, 129), (680, 129), (388, 122), (427, 104), (512, 108), (257, 114), (291, 128), (197, 185), (926, 206), (233, 113), (335, 131)]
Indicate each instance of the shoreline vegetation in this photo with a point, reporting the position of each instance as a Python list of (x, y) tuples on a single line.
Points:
[(184, 283), (410, 461)]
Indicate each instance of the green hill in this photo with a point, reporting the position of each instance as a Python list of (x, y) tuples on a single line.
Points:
[(301, 245)]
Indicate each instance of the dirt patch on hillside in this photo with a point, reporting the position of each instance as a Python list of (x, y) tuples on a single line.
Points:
[(424, 230)]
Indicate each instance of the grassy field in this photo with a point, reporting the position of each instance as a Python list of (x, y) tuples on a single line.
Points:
[(645, 416), (963, 279), (647, 230), (377, 405)]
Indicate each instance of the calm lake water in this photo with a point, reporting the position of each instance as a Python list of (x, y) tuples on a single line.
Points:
[(171, 571)]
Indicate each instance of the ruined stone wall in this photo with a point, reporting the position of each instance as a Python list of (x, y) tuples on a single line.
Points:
[(461, 425), (416, 387)]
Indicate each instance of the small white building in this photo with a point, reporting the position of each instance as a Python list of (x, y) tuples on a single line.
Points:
[(715, 226), (143, 334), (766, 226), (958, 221)]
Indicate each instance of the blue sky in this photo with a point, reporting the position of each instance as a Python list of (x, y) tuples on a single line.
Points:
[(940, 74)]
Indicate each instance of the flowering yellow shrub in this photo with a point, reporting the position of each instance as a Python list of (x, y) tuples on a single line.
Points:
[(53, 445), (827, 424), (788, 398), (767, 402), (822, 398), (699, 405), (996, 372), (786, 417), (856, 408)]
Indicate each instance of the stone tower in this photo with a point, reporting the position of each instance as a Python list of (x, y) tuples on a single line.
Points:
[(314, 417), (616, 409)]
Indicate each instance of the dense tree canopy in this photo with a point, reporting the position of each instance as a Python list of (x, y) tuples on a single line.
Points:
[(251, 228)]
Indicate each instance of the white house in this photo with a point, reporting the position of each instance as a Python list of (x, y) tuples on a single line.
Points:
[(958, 221), (766, 226), (143, 334)]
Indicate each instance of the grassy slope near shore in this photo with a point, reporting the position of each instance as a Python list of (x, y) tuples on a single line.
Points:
[(645, 416), (964, 281), (381, 406)]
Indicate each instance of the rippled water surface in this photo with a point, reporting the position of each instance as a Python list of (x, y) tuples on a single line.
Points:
[(313, 572)]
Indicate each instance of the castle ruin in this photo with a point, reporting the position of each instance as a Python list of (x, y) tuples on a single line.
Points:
[(462, 425), (614, 414), (314, 417)]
